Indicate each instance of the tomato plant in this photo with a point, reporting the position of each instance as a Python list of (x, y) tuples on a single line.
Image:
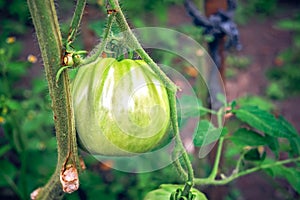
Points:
[(127, 107), (121, 107)]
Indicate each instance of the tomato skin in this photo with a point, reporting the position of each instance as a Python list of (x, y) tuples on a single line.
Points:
[(121, 108)]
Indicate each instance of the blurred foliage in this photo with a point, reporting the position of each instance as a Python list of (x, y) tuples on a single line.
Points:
[(247, 9), (14, 16), (235, 63), (141, 11), (28, 145), (285, 75)]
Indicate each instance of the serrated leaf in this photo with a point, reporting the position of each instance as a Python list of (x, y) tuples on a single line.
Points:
[(273, 144), (244, 137), (165, 191), (206, 133), (295, 146), (263, 121), (260, 102), (287, 126), (292, 175)]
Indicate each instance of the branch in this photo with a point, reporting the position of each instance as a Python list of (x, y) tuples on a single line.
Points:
[(99, 49), (76, 20), (171, 90), (206, 181), (215, 169), (135, 45), (50, 41)]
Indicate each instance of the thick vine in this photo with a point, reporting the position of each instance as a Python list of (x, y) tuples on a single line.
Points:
[(49, 37)]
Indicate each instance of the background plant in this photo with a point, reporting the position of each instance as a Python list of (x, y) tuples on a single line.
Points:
[(285, 76)]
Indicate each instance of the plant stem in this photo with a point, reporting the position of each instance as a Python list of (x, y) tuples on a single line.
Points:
[(135, 45), (187, 162), (238, 164), (76, 20), (99, 49), (214, 171), (207, 181), (177, 164), (49, 37), (171, 88)]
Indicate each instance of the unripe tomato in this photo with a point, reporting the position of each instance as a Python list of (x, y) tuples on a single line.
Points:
[(121, 107)]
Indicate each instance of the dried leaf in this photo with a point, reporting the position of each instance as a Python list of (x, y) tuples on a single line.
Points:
[(69, 179), (35, 194)]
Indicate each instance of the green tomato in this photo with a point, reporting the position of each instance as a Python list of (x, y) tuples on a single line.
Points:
[(121, 107)]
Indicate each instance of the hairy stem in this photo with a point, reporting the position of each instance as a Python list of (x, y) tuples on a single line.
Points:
[(136, 46), (171, 90), (206, 181), (99, 49), (76, 20), (49, 37), (187, 162)]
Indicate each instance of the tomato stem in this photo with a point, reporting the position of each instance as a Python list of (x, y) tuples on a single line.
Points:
[(76, 20), (214, 171), (50, 41), (99, 49), (171, 88), (179, 144), (135, 45), (233, 176)]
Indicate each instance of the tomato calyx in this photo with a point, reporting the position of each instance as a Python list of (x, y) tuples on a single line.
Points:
[(71, 59), (178, 195), (118, 48)]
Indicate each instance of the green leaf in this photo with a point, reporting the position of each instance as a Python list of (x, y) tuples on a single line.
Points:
[(292, 25), (165, 190), (292, 175), (17, 68), (221, 98), (206, 133), (295, 146), (287, 126), (260, 102), (7, 173), (4, 149), (273, 144), (245, 137), (13, 104), (264, 121)]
